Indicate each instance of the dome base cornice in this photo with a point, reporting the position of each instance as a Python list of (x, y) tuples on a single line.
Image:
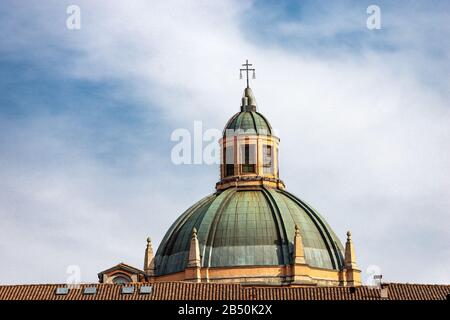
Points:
[(289, 275), (248, 182)]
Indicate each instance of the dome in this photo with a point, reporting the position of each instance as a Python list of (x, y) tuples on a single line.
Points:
[(251, 230), (248, 122), (249, 227)]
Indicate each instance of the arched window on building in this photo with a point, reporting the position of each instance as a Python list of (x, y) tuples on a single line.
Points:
[(229, 161), (248, 158), (121, 279), (267, 159)]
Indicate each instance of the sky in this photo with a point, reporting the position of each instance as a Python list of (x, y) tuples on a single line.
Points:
[(86, 118)]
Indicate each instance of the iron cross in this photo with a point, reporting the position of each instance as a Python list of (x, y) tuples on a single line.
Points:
[(247, 65)]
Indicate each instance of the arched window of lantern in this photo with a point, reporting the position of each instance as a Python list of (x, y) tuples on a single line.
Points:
[(228, 160), (247, 158), (268, 159)]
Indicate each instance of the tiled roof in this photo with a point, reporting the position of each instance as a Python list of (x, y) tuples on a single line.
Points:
[(211, 291)]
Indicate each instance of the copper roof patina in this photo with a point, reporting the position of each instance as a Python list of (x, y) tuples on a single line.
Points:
[(249, 228), (248, 122)]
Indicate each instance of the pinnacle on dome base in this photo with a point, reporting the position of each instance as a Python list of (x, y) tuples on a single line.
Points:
[(193, 272), (149, 263), (351, 272), (300, 268), (299, 254)]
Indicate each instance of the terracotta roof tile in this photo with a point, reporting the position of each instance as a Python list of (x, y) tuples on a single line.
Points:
[(213, 291)]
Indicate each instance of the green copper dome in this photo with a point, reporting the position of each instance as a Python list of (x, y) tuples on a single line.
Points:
[(248, 122), (251, 220), (241, 227)]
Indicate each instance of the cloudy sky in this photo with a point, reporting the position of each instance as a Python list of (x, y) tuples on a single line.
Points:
[(86, 118)]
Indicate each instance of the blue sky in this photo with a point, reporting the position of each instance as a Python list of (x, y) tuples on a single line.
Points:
[(86, 118)]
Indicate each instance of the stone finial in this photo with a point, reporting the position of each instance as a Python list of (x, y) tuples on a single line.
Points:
[(149, 259), (299, 254), (194, 251), (297, 230), (350, 257), (351, 271)]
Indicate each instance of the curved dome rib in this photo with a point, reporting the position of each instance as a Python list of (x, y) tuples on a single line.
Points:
[(246, 121), (231, 121), (208, 247), (285, 244), (264, 122), (244, 227), (172, 253), (334, 252), (240, 230)]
